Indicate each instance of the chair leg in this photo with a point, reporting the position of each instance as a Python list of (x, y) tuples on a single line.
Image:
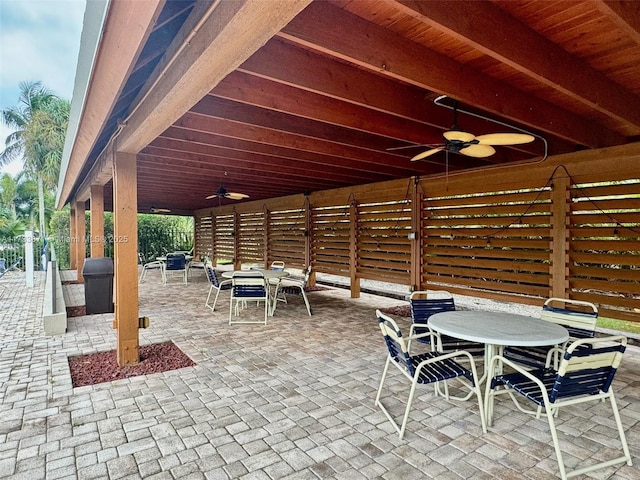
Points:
[(378, 402), (556, 443), (206, 303), (384, 376), (408, 409), (306, 300), (623, 439), (213, 308), (267, 309)]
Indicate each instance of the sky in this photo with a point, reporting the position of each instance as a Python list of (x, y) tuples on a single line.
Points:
[(39, 41)]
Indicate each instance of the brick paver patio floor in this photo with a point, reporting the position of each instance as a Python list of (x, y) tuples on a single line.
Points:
[(290, 400)]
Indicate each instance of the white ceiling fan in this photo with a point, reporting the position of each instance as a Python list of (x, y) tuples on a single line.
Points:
[(223, 193), (153, 209), (465, 143)]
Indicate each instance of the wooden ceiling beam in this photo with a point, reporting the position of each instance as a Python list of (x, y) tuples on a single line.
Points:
[(244, 88), (202, 164), (216, 39), (308, 127), (338, 80), (227, 157), (358, 157), (210, 139), (126, 28), (321, 27), (528, 52), (624, 14), (199, 192)]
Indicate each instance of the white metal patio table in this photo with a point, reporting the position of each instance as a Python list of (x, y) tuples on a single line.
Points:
[(497, 330)]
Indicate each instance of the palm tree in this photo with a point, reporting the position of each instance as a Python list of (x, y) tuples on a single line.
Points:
[(8, 193), (39, 122)]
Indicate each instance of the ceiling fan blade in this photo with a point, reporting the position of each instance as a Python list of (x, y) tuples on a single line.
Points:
[(236, 195), (215, 195), (478, 151), (459, 135), (505, 139), (426, 154)]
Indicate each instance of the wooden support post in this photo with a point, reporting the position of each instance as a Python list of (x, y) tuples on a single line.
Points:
[(307, 240), (237, 262), (559, 269), (81, 247), (96, 206), (125, 230), (416, 233), (73, 235), (265, 237), (353, 250), (214, 256)]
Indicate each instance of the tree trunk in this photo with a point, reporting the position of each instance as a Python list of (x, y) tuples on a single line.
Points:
[(43, 232), (41, 206)]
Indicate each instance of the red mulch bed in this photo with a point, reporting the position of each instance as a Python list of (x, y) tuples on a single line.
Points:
[(315, 288), (401, 311), (103, 366), (71, 282), (77, 311)]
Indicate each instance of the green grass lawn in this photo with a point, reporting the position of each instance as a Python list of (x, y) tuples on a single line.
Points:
[(620, 325)]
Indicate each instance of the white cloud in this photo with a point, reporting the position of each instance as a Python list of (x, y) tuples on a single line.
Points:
[(39, 41)]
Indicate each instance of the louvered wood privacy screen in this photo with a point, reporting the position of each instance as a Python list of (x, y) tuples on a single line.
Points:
[(492, 241), (330, 237), (224, 237), (604, 231), (516, 234), (250, 230), (286, 237), (384, 250), (203, 235)]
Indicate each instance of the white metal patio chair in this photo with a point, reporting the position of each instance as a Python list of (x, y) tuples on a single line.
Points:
[(288, 286), (578, 317), (585, 374), (426, 303), (425, 368), (215, 284), (155, 265), (175, 263), (248, 286)]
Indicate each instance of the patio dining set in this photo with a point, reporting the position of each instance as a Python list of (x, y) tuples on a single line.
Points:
[(543, 364), (171, 264), (266, 287)]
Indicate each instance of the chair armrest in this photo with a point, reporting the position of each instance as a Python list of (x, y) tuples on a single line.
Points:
[(444, 356), (519, 369), (554, 351), (416, 336)]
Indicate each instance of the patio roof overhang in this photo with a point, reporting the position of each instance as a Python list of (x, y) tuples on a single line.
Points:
[(293, 96)]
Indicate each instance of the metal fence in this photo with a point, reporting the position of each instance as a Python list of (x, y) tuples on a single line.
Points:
[(150, 245), (12, 252)]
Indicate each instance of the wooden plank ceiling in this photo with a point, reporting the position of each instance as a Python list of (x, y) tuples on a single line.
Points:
[(324, 103)]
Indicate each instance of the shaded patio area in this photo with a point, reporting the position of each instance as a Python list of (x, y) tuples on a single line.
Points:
[(290, 400)]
